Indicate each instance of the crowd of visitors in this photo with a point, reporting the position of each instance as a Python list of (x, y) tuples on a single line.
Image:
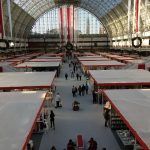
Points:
[(74, 67), (81, 90)]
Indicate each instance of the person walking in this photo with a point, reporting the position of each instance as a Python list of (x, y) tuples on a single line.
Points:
[(58, 100), (107, 109), (106, 117), (53, 148), (92, 144), (72, 74), (80, 75), (76, 90), (80, 89), (66, 76), (77, 75), (94, 96), (74, 68), (86, 88), (73, 91), (71, 145), (52, 119), (83, 90)]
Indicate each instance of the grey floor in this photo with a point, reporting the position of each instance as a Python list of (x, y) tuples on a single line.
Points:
[(88, 121)]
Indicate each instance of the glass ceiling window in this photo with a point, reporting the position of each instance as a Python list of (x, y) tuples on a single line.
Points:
[(100, 6), (85, 23), (47, 23), (35, 7)]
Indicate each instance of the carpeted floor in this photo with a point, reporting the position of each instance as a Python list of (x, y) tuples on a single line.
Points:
[(88, 121)]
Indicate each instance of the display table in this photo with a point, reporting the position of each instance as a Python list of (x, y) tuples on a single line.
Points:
[(133, 106), (40, 66), (48, 57), (126, 140), (134, 61), (54, 54), (84, 54), (104, 65), (88, 54), (44, 60), (94, 58), (18, 59), (26, 80), (128, 78), (18, 115)]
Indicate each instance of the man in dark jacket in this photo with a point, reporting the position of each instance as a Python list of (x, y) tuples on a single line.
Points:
[(83, 90), (71, 145), (106, 116)]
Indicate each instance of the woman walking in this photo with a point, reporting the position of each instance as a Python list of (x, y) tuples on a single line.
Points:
[(52, 119)]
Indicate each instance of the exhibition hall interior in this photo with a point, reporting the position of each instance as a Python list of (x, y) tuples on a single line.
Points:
[(75, 74)]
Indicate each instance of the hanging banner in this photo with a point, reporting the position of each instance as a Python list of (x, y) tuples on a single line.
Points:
[(73, 27), (1, 20), (9, 16), (64, 23), (137, 15), (68, 23), (61, 26), (137, 41)]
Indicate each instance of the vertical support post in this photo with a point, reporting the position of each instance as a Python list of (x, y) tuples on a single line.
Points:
[(134, 16), (9, 15), (61, 26), (1, 20)]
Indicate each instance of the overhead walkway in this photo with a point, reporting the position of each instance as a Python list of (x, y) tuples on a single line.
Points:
[(88, 121)]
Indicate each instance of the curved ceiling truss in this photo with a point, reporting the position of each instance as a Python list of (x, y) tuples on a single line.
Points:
[(111, 13), (36, 7)]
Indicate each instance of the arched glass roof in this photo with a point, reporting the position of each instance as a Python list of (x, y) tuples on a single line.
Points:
[(85, 23), (37, 7)]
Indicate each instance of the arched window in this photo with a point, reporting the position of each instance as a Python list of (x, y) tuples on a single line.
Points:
[(85, 23)]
